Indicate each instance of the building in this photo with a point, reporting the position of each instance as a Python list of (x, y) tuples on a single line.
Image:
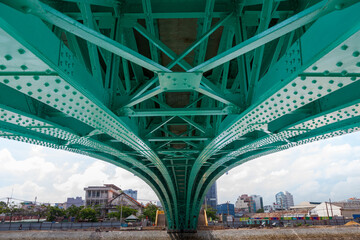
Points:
[(125, 200), (353, 200), (268, 208), (108, 197), (241, 205), (326, 209), (250, 204), (211, 197), (131, 193), (78, 201), (345, 209), (101, 195), (27, 205), (306, 206), (258, 202), (226, 209), (60, 205), (284, 200)]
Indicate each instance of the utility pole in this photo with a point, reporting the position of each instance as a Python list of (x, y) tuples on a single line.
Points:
[(332, 214), (327, 209)]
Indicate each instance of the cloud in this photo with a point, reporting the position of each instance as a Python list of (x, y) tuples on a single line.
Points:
[(53, 175), (312, 172)]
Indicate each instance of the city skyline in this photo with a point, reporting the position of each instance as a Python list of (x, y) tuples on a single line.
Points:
[(313, 172)]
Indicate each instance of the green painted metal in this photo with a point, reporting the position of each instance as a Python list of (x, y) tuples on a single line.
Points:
[(176, 92)]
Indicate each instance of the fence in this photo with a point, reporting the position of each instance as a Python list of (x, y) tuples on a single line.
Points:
[(297, 222), (62, 225)]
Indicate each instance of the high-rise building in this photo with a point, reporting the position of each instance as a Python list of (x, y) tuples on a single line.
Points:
[(284, 200), (211, 197), (258, 200), (131, 193), (246, 203)]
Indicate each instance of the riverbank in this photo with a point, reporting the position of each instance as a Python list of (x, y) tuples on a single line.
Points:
[(303, 233)]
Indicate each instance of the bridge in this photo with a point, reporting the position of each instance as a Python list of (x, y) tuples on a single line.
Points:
[(178, 92)]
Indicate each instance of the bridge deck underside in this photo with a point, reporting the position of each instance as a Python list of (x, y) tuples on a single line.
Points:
[(178, 92)]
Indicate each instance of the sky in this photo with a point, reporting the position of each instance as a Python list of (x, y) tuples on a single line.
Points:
[(313, 172)]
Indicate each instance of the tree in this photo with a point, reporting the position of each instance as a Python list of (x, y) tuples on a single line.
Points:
[(211, 213), (12, 209), (54, 213), (3, 206), (88, 214), (74, 211), (41, 211), (260, 210), (150, 211), (126, 211)]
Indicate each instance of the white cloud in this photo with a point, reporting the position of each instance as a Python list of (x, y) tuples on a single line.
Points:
[(53, 175), (312, 172)]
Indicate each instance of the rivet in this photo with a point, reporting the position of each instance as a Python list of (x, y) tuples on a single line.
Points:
[(314, 68), (6, 81), (8, 57), (356, 53), (339, 64), (358, 64), (21, 51), (344, 73), (344, 47), (46, 84), (36, 77), (23, 67), (2, 67)]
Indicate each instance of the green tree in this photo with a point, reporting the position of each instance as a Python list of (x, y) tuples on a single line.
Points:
[(150, 211), (88, 214), (12, 210), (260, 210), (211, 213), (126, 211), (41, 211), (3, 207), (54, 213), (74, 211)]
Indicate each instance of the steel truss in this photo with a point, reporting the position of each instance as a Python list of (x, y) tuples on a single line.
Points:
[(178, 94)]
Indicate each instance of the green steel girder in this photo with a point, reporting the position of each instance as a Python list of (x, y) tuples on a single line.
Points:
[(112, 80), (62, 92), (29, 128), (306, 89)]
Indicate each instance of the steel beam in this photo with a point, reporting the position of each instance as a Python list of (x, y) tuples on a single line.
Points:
[(61, 20), (290, 24)]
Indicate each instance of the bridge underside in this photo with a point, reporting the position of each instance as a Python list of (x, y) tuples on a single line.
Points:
[(178, 92)]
